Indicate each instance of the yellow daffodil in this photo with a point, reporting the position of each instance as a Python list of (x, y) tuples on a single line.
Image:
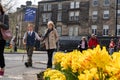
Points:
[(91, 64), (54, 75)]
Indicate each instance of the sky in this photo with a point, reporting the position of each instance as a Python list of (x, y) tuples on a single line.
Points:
[(20, 2), (23, 2)]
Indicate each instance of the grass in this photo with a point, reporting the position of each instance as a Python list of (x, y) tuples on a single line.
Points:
[(7, 50)]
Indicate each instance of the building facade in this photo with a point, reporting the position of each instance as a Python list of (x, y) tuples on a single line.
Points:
[(81, 17), (102, 18), (70, 17), (17, 23)]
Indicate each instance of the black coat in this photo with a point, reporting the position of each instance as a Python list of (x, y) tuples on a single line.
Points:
[(4, 23), (86, 45)]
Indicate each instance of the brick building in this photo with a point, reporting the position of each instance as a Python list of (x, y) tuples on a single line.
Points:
[(103, 17), (70, 17), (81, 17)]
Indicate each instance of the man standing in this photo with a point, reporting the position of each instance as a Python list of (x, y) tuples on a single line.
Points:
[(29, 40), (92, 42)]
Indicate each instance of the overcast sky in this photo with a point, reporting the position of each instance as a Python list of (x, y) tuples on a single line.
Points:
[(20, 2)]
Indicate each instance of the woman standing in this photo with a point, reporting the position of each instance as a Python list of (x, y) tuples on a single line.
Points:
[(4, 24), (83, 44), (50, 39), (111, 46)]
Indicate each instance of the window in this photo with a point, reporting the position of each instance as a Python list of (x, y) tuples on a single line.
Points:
[(46, 17), (106, 14), (43, 31), (74, 5), (77, 5), (59, 6), (74, 16), (118, 2), (59, 29), (106, 2), (105, 30), (76, 31), (94, 14), (71, 16), (71, 31), (95, 2), (47, 7), (118, 30), (94, 29), (59, 17), (118, 13)]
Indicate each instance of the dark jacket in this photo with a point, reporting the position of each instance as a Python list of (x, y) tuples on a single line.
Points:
[(4, 23), (86, 45)]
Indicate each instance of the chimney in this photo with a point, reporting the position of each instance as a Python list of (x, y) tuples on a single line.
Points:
[(18, 8), (28, 3), (22, 6)]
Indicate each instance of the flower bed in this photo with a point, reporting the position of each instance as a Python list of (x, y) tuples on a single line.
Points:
[(94, 64)]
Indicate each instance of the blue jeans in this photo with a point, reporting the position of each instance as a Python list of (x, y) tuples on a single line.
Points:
[(111, 50)]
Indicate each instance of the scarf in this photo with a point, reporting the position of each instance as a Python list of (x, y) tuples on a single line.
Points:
[(47, 33)]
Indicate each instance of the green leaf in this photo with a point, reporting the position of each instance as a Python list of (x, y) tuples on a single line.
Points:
[(47, 78), (70, 75), (58, 66)]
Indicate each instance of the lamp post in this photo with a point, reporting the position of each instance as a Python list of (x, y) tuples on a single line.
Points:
[(15, 48), (116, 18)]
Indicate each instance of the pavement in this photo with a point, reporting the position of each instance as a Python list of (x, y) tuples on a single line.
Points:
[(15, 69), (25, 76), (35, 52), (29, 75)]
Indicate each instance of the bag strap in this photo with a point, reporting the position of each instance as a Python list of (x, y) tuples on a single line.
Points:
[(3, 18)]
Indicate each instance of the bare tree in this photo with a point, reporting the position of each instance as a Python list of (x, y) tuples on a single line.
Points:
[(9, 5)]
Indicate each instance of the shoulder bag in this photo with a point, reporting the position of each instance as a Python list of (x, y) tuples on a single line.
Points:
[(6, 34)]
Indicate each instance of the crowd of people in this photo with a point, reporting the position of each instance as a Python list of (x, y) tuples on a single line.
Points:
[(93, 42)]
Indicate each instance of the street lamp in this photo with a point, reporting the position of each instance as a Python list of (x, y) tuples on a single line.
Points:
[(15, 48), (116, 17)]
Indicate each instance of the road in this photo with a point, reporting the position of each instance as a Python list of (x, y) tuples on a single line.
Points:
[(15, 68)]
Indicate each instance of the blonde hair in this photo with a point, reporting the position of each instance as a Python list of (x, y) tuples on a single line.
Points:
[(51, 22), (30, 25)]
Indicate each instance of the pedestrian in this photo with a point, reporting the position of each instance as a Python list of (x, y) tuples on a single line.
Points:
[(29, 41), (118, 45), (4, 24), (92, 42), (111, 46), (83, 45), (50, 39)]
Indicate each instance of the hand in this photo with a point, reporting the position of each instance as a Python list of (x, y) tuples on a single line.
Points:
[(10, 46), (24, 43), (41, 39)]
